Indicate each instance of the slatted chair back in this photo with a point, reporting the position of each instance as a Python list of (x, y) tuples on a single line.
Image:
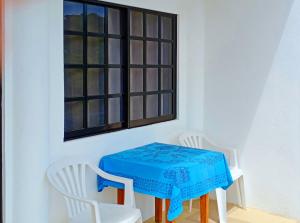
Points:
[(69, 177)]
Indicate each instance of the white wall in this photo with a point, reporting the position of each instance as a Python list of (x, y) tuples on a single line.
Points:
[(26, 110), (252, 94), (34, 107)]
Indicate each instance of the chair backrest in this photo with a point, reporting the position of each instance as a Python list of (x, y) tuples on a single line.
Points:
[(194, 140), (68, 176), (199, 140)]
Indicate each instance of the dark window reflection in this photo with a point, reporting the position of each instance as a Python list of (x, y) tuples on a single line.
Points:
[(95, 113), (73, 51), (166, 53), (114, 110), (73, 83), (166, 28), (113, 21), (95, 19), (73, 16), (73, 116), (95, 81), (166, 79), (136, 80), (95, 50), (136, 23), (166, 104), (152, 79), (152, 106), (152, 26), (136, 107)]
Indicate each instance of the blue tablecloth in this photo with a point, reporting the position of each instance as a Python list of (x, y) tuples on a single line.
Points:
[(168, 172)]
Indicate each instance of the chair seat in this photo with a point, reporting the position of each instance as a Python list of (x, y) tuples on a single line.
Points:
[(110, 213)]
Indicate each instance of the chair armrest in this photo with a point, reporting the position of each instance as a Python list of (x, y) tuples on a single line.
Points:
[(232, 156), (128, 184), (230, 153)]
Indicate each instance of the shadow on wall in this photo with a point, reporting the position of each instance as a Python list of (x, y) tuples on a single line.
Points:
[(241, 40), (252, 95)]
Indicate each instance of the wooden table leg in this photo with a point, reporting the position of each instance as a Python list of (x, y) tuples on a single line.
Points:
[(158, 210), (204, 208), (167, 210), (121, 196)]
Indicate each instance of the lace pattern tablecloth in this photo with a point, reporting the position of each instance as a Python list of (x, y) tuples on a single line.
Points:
[(168, 172)]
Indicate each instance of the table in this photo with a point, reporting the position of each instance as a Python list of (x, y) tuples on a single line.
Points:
[(170, 172)]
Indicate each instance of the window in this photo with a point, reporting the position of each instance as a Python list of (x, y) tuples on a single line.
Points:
[(120, 67)]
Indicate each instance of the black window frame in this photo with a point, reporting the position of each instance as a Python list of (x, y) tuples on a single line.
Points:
[(125, 38)]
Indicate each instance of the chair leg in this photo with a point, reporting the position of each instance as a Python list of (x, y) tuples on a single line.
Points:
[(222, 205), (191, 205), (241, 192), (140, 220)]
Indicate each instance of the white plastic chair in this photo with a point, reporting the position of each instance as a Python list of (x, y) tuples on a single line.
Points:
[(68, 177), (199, 140)]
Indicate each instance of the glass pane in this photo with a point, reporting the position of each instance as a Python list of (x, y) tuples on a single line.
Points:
[(95, 50), (152, 52), (73, 83), (114, 110), (152, 106), (73, 19), (113, 21), (166, 79), (95, 19), (73, 49), (166, 28), (73, 116), (136, 80), (95, 113), (136, 52), (95, 81), (166, 104), (136, 107), (136, 23), (152, 26), (152, 79), (114, 53), (166, 53), (114, 81)]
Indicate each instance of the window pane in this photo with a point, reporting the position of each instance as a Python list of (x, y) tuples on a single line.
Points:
[(95, 113), (152, 79), (166, 53), (166, 28), (136, 52), (166, 79), (95, 19), (166, 104), (136, 23), (73, 83), (113, 21), (95, 81), (73, 16), (114, 110), (114, 81), (73, 116), (73, 49), (114, 53), (136, 80), (152, 26), (152, 106), (95, 50), (136, 107), (152, 52)]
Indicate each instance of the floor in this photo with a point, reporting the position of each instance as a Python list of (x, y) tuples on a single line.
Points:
[(235, 215)]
